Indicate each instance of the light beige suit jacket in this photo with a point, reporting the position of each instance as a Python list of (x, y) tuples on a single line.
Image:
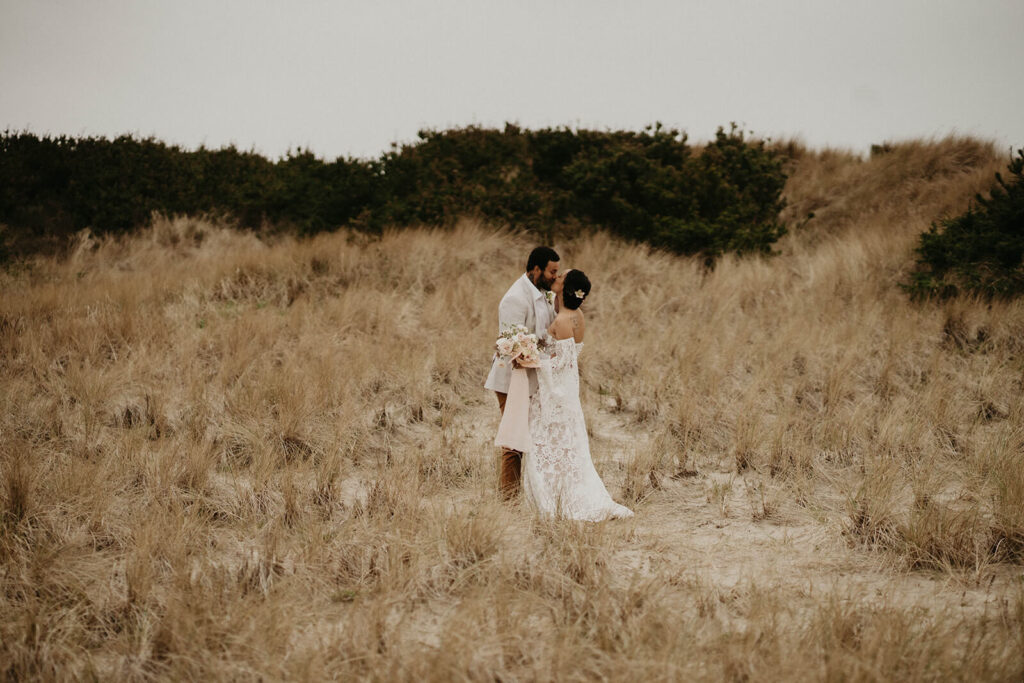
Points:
[(523, 304)]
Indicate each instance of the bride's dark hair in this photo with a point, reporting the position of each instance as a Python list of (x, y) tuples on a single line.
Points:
[(575, 288)]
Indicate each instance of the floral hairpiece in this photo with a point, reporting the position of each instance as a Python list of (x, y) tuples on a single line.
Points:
[(580, 294)]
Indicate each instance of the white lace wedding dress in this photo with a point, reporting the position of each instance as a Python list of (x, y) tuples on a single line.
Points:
[(559, 478)]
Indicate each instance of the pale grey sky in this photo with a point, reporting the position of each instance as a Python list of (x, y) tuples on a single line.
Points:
[(348, 78)]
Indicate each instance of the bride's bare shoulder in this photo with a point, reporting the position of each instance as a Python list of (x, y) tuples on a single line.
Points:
[(561, 328)]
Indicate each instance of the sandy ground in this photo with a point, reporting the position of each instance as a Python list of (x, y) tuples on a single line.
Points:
[(708, 526)]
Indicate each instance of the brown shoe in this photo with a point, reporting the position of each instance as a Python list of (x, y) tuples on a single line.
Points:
[(508, 484)]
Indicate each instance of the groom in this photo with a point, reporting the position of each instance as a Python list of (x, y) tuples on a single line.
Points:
[(525, 303)]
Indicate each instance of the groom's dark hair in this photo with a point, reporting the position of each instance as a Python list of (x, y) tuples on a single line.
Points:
[(540, 257)]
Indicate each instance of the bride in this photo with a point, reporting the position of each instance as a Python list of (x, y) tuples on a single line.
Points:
[(559, 478)]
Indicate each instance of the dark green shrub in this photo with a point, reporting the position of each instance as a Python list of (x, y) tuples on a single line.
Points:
[(60, 185), (628, 181), (979, 252), (465, 171), (645, 185)]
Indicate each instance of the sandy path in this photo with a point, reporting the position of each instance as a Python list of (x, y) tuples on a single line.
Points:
[(702, 528)]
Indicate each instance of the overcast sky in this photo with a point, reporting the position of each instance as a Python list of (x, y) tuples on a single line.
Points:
[(349, 78)]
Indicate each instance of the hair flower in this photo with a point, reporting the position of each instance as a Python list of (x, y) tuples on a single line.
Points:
[(580, 294)]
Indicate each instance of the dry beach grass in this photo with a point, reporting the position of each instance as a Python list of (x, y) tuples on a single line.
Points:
[(223, 457)]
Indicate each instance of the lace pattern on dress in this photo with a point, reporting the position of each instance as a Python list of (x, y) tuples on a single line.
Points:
[(559, 475)]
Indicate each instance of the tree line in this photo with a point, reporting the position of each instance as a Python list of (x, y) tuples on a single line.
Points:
[(648, 185)]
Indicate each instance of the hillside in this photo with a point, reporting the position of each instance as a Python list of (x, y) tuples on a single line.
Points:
[(232, 457)]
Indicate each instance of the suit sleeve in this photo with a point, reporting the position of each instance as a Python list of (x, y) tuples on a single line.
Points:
[(511, 311)]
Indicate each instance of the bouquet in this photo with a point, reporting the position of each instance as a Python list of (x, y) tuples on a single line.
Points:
[(517, 345)]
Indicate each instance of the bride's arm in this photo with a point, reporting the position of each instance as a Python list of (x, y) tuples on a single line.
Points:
[(578, 325)]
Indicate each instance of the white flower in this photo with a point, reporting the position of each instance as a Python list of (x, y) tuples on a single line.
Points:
[(580, 294), (504, 347), (550, 296)]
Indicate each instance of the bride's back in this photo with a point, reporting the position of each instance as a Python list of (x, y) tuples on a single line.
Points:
[(568, 324)]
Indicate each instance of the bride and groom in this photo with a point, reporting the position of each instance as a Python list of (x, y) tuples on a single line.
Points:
[(554, 468)]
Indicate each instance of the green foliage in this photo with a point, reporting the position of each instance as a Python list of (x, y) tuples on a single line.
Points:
[(645, 185), (468, 171), (60, 185), (979, 252)]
